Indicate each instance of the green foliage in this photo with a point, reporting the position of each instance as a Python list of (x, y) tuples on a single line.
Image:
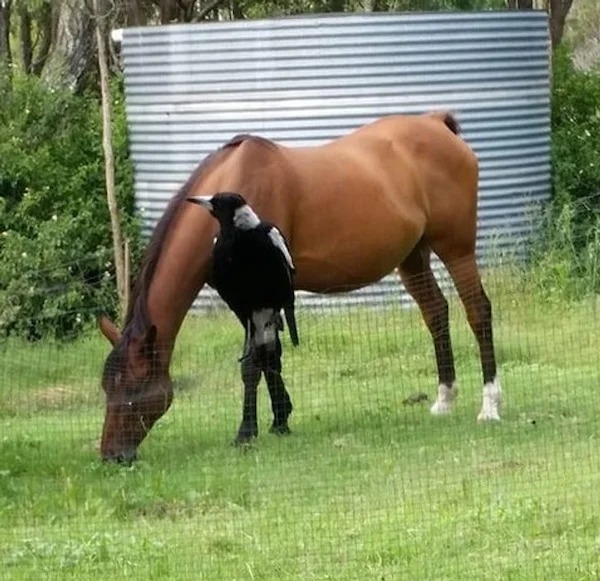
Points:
[(55, 244), (575, 132), (566, 258), (270, 8)]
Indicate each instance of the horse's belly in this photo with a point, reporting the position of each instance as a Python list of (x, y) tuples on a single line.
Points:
[(355, 229), (342, 269)]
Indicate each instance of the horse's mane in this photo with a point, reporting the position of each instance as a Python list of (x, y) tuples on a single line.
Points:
[(137, 319)]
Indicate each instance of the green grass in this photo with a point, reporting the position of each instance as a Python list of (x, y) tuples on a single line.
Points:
[(364, 488)]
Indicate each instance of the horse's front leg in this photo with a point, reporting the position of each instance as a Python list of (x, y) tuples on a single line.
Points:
[(251, 370), (266, 324), (281, 403)]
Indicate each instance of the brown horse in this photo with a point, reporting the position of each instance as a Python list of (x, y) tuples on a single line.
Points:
[(353, 210)]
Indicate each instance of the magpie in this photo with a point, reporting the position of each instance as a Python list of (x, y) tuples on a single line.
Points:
[(252, 267), (252, 271)]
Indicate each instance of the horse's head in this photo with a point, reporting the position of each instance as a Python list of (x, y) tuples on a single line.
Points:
[(138, 391)]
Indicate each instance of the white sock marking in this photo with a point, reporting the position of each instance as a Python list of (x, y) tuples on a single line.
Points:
[(445, 397), (492, 398)]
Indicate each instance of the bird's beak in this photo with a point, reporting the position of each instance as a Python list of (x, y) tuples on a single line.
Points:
[(204, 201)]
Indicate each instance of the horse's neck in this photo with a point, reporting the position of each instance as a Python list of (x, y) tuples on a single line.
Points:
[(182, 268), (180, 274)]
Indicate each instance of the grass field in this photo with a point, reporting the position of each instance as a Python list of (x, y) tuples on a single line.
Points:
[(364, 488)]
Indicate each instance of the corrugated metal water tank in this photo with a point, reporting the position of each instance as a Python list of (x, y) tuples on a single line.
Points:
[(306, 80)]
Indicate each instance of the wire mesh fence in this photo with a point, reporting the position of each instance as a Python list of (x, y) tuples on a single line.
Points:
[(368, 484)]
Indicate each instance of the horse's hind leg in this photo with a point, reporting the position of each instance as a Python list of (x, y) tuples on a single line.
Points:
[(419, 281), (465, 274)]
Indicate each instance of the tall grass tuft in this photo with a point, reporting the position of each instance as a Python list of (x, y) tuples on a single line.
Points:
[(565, 259)]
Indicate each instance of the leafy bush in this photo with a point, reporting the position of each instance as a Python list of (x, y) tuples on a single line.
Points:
[(55, 244), (566, 258)]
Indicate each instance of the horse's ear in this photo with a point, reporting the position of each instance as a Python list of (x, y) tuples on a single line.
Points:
[(108, 329)]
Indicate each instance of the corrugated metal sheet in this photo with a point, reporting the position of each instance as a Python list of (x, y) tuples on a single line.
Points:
[(305, 80)]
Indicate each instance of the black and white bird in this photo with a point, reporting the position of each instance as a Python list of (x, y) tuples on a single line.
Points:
[(252, 270), (252, 267)]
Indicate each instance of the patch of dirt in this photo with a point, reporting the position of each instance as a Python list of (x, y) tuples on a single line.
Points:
[(416, 398), (54, 397)]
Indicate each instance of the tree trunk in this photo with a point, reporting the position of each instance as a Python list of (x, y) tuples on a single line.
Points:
[(5, 53), (237, 11), (168, 11), (519, 4), (188, 7), (558, 15), (339, 5), (25, 37), (72, 54), (45, 39), (109, 159), (135, 15)]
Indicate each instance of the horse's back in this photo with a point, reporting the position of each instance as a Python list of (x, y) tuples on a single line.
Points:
[(370, 196), (431, 139), (387, 153), (353, 208)]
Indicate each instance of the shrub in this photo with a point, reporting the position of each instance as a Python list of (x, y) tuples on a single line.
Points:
[(55, 243), (566, 257)]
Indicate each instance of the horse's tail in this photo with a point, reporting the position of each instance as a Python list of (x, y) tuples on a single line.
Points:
[(448, 120), (290, 319)]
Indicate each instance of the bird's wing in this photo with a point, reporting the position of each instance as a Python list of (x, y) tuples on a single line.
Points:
[(279, 241)]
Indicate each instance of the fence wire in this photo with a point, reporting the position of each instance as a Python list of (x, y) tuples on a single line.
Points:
[(368, 484)]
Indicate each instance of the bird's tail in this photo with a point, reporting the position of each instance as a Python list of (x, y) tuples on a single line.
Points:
[(290, 319)]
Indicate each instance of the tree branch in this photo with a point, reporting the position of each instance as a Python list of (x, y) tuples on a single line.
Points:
[(109, 158), (204, 11)]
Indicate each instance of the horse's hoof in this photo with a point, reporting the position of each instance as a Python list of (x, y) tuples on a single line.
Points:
[(443, 403), (486, 415), (281, 430), (243, 444), (440, 408), (245, 437), (492, 399)]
